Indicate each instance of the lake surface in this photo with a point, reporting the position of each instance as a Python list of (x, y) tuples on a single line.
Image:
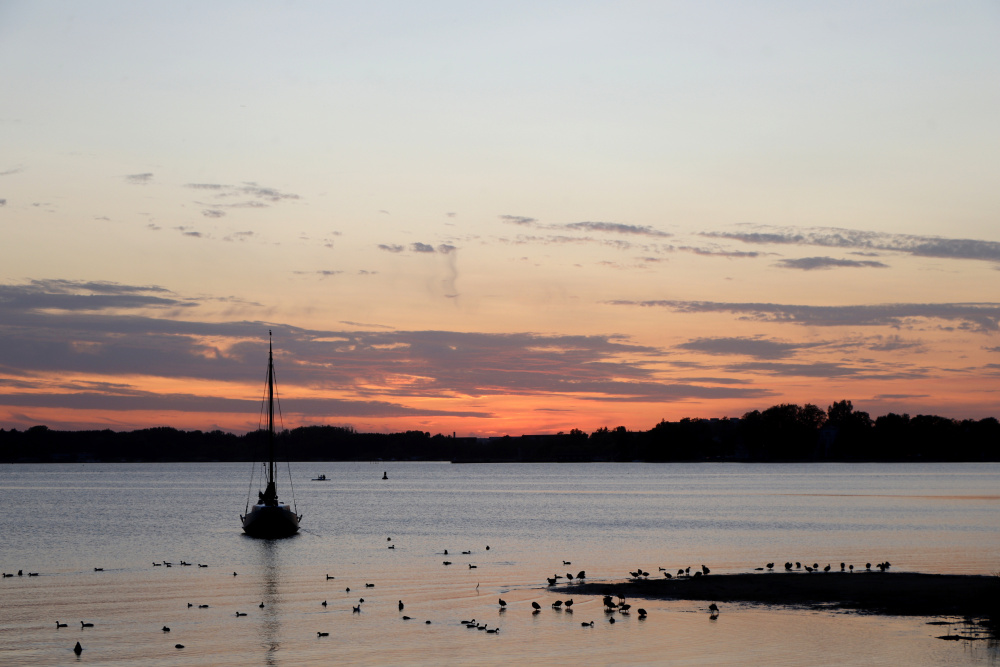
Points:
[(65, 520)]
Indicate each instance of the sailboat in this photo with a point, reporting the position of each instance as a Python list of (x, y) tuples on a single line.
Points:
[(270, 518)]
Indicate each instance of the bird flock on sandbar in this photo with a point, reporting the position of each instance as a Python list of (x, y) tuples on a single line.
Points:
[(615, 607)]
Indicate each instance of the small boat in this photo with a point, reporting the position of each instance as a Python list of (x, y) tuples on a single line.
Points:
[(321, 478), (270, 518)]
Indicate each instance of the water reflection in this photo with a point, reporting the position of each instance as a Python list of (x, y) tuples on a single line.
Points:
[(269, 569)]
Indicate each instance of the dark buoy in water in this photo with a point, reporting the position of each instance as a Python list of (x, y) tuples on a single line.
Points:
[(78, 649), (385, 474)]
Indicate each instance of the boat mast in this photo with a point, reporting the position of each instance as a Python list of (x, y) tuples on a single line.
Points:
[(270, 415)]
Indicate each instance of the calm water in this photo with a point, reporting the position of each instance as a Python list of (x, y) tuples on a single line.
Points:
[(65, 520)]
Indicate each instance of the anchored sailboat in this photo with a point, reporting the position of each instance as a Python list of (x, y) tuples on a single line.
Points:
[(270, 518)]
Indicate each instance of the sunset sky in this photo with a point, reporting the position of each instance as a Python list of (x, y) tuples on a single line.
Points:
[(496, 218)]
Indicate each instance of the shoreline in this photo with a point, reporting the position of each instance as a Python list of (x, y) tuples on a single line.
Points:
[(896, 593)]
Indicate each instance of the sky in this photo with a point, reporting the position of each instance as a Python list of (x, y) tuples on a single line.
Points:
[(496, 218)]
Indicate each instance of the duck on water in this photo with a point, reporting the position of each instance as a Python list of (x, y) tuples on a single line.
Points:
[(270, 518)]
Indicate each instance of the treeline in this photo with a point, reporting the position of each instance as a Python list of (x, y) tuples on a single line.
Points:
[(785, 432)]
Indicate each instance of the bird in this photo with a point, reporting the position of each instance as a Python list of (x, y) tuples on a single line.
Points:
[(503, 603), (322, 634), (202, 565), (827, 568), (328, 577), (705, 569), (369, 585), (851, 568), (537, 607), (491, 631), (347, 590), (178, 645), (406, 618), (78, 649), (714, 609), (261, 605), (60, 625), (203, 606), (356, 610), (611, 620), (842, 566), (96, 569), (156, 565), (190, 605), (401, 605), (323, 603), (86, 625), (557, 604), (551, 580), (588, 625), (569, 603), (582, 574), (668, 575), (166, 629), (447, 562), (472, 567), (566, 562), (240, 613), (642, 613), (868, 566)]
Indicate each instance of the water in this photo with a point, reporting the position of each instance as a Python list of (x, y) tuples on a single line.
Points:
[(65, 520)]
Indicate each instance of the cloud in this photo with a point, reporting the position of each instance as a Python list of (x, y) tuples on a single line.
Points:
[(518, 219), (3, 202), (239, 236), (392, 247), (974, 316), (251, 194), (139, 179), (616, 228), (51, 296), (730, 254), (814, 263), (832, 237), (187, 231), (760, 348), (213, 213), (825, 370), (421, 247), (11, 172), (446, 249), (322, 273)]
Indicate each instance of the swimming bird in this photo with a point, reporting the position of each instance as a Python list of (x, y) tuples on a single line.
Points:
[(491, 631), (156, 565), (78, 649), (611, 620), (261, 605), (356, 610), (328, 577), (203, 606), (86, 625), (369, 585), (347, 590), (714, 609), (391, 546), (60, 625), (190, 605), (566, 562), (588, 625), (202, 565), (96, 569), (166, 629), (323, 603), (447, 562), (234, 574), (240, 613), (322, 634), (178, 645), (472, 567), (406, 618), (360, 600), (401, 605)]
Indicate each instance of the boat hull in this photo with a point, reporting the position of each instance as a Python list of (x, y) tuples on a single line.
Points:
[(270, 521)]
